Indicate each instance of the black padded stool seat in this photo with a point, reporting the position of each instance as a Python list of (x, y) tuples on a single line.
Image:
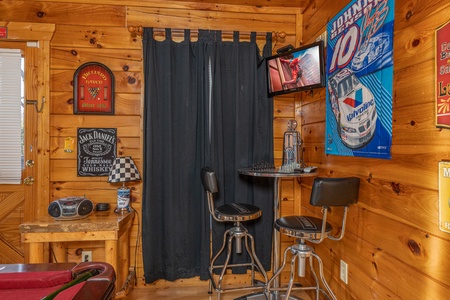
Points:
[(237, 212), (237, 235), (301, 226), (325, 193)]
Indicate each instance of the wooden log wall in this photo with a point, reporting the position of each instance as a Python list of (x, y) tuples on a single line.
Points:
[(393, 246), (100, 32)]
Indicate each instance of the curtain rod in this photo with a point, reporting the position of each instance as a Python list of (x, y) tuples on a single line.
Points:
[(139, 30)]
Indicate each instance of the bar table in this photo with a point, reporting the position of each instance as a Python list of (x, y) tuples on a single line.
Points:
[(276, 246)]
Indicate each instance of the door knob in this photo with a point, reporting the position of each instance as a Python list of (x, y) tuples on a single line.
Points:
[(28, 180)]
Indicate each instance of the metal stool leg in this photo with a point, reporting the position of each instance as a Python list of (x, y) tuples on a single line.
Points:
[(311, 266), (252, 258), (302, 252), (238, 232), (227, 259), (255, 260), (212, 283), (322, 278), (291, 276), (276, 274)]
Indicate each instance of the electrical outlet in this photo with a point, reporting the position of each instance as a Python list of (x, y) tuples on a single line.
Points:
[(344, 272), (86, 256)]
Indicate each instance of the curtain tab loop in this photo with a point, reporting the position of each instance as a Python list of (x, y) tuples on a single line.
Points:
[(168, 34), (236, 36), (253, 37), (218, 35), (148, 34), (269, 37)]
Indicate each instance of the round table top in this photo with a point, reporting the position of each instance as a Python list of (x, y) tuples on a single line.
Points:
[(274, 173)]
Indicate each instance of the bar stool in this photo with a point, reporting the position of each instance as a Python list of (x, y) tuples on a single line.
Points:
[(326, 192), (236, 213)]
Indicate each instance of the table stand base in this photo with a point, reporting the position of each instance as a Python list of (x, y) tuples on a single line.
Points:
[(261, 296)]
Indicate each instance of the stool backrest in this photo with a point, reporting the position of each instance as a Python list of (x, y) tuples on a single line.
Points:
[(209, 180), (334, 191)]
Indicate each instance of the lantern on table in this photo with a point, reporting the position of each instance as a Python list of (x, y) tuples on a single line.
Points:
[(292, 143)]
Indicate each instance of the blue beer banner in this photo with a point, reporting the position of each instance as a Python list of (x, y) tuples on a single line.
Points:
[(360, 80)]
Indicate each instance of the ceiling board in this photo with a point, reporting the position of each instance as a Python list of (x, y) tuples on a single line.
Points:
[(302, 4)]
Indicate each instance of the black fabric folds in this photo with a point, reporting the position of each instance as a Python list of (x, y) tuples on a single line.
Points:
[(205, 104)]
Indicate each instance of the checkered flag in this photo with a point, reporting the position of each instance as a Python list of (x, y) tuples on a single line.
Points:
[(123, 169)]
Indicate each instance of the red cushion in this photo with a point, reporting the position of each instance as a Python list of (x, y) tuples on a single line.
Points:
[(33, 280), (27, 294), (39, 293)]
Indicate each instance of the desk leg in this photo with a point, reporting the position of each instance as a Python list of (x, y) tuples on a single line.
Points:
[(111, 257), (124, 257), (36, 253), (59, 250)]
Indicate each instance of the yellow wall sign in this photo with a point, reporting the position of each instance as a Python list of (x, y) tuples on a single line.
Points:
[(444, 196)]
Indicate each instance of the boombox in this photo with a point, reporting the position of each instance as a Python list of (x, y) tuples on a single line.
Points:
[(70, 208)]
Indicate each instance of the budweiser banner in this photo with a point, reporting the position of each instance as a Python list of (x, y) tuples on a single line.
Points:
[(360, 79), (443, 76)]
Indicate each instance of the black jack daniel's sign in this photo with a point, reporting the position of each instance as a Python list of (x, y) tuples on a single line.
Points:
[(96, 150)]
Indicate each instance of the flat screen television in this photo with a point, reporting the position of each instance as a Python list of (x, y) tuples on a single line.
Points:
[(296, 70)]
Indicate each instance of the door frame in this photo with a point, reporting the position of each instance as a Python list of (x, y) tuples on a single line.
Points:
[(37, 36)]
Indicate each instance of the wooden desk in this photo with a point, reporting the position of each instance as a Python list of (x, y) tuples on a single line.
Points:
[(113, 228)]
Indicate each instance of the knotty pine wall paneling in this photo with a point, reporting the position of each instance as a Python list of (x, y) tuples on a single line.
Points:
[(392, 244), (99, 32), (72, 46)]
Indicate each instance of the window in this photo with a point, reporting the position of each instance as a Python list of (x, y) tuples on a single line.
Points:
[(11, 116)]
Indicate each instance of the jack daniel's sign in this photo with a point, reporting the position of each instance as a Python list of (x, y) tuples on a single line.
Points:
[(96, 150)]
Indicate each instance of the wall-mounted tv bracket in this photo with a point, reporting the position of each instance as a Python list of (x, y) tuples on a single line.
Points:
[(285, 49)]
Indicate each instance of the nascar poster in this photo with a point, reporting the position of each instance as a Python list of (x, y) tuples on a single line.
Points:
[(360, 80)]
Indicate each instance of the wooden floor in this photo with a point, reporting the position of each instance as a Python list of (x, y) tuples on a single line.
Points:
[(189, 293), (183, 290)]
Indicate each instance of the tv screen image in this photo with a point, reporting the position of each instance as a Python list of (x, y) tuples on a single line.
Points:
[(296, 70)]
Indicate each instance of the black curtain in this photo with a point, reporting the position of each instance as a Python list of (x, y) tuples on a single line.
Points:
[(205, 104)]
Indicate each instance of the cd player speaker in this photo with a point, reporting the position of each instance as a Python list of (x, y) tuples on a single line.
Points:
[(54, 209)]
